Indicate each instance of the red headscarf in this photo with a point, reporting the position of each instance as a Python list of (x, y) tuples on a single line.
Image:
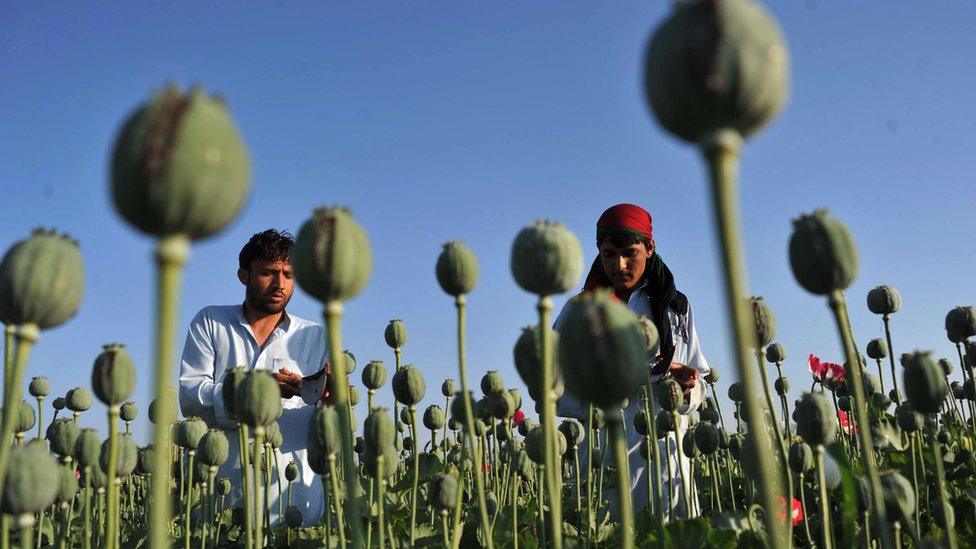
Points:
[(619, 219)]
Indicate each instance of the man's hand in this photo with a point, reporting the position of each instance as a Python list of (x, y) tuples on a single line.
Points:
[(289, 382), (686, 376)]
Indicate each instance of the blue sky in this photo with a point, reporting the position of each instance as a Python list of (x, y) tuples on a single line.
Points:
[(438, 121)]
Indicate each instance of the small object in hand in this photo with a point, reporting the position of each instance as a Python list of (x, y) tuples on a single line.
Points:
[(289, 382), (317, 386)]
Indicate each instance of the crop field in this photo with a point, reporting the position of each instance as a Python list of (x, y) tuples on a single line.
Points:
[(876, 451)]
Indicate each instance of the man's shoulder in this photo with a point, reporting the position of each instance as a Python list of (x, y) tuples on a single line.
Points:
[(217, 313), (299, 322)]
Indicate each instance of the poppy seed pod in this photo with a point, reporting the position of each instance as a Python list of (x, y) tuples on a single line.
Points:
[(872, 384), (378, 430), (59, 403), (735, 392), (457, 269), (293, 517), (353, 395), (39, 387), (664, 422), (214, 448), (128, 411), (258, 399), (62, 435), (126, 456), (707, 438), (144, 463), (943, 437), (113, 375), (573, 431), (395, 334), (880, 401), (716, 65), (516, 397), (822, 253), (501, 405), (602, 350), (291, 471), (534, 445), (898, 494), (24, 419), (713, 375), (960, 323), (710, 416), (801, 457), (640, 423), (884, 300), (669, 395), (925, 385), (763, 318), (434, 417), (775, 353), (189, 432), (528, 360), (688, 446), (168, 394), (492, 383), (844, 403), (815, 419), (408, 385), (67, 484), (946, 366), (350, 361), (448, 388), (41, 280), (782, 386), (78, 399), (546, 258), (877, 349), (180, 166), (87, 448), (331, 257), (651, 335), (228, 392), (374, 375), (443, 491), (324, 430), (32, 480), (389, 455)]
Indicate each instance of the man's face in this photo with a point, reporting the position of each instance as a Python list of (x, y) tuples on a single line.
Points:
[(269, 285), (624, 266)]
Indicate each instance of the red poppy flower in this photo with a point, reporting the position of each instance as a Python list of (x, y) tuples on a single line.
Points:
[(822, 371), (518, 418), (486, 468), (796, 514), (845, 423)]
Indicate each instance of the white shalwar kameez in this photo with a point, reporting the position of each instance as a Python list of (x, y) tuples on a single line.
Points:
[(687, 351), (220, 338)]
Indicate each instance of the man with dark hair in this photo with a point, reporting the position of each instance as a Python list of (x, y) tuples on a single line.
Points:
[(258, 334), (629, 265)]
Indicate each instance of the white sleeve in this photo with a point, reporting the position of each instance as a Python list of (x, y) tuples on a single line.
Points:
[(199, 394), (696, 360)]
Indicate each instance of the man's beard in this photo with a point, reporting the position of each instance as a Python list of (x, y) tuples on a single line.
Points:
[(255, 301)]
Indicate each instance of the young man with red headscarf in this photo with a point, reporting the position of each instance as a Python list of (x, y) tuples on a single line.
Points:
[(628, 263)]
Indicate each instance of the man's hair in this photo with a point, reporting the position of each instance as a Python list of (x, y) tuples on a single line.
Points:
[(623, 240), (270, 245)]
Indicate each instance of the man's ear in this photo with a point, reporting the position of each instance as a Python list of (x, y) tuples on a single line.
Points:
[(650, 248), (243, 276)]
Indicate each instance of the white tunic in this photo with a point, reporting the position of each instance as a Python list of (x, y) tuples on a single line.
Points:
[(220, 338), (687, 350)]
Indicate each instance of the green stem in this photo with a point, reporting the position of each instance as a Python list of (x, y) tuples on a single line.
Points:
[(780, 444), (40, 416), (337, 498), (621, 460), (245, 458), (721, 151), (333, 316), (445, 536), (416, 474), (891, 358), (26, 336), (828, 540), (113, 499), (25, 523), (854, 379), (188, 502), (715, 482), (469, 432), (258, 486), (88, 508), (515, 487), (803, 507), (589, 475), (171, 254), (553, 476), (950, 530), (9, 340), (381, 496)]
